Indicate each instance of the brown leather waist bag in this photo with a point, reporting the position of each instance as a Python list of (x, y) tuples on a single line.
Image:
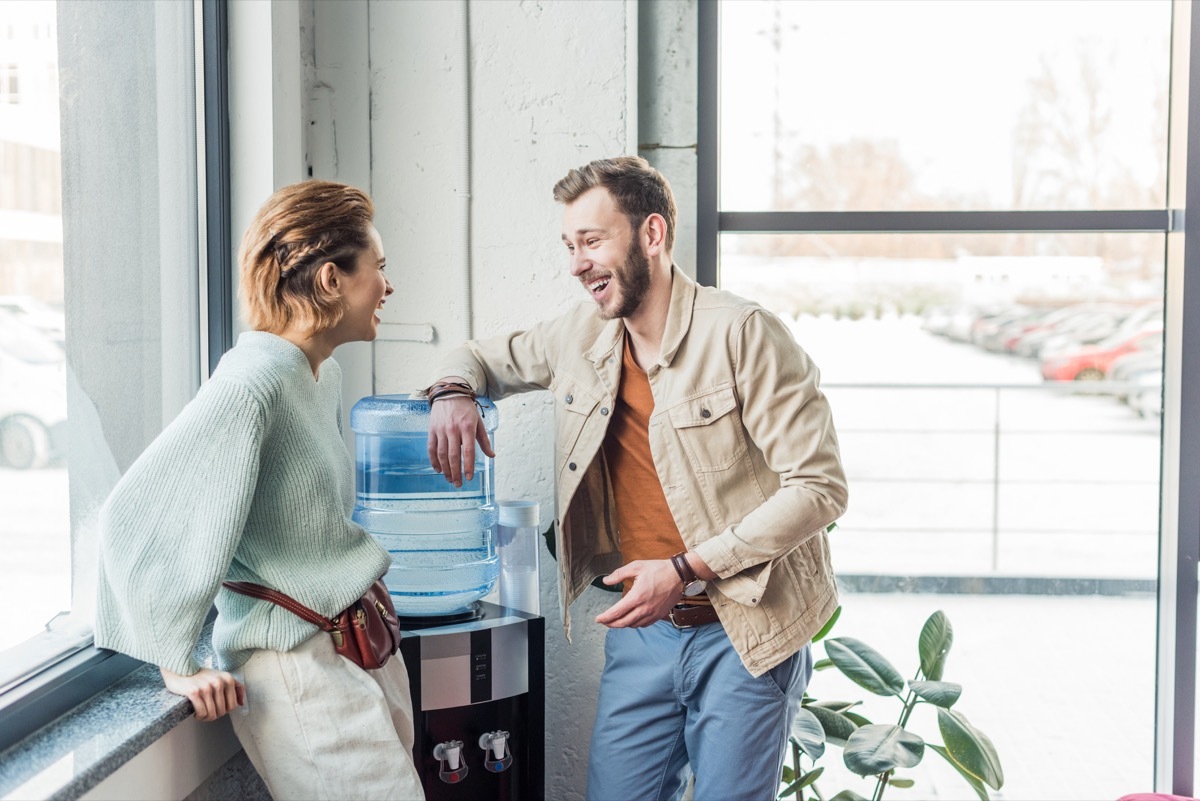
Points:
[(367, 632)]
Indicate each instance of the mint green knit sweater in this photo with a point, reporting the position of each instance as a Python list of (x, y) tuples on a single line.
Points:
[(252, 482)]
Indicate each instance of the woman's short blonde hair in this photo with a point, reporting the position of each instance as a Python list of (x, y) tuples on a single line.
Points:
[(299, 228)]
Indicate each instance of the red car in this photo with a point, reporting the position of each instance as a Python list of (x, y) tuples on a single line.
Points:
[(1091, 362)]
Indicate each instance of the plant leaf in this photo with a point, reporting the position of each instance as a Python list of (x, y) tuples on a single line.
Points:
[(970, 748), (820, 635), (901, 782), (876, 749), (799, 784), (976, 785), (847, 795), (838, 728), (810, 777), (856, 719), (938, 693), (788, 774), (835, 706), (865, 666), (937, 635), (823, 664), (808, 733)]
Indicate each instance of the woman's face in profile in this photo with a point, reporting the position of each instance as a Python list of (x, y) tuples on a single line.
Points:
[(364, 292)]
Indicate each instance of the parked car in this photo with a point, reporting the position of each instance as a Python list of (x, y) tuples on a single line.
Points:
[(43, 318), (1147, 399), (1085, 324), (1092, 362), (990, 334), (1133, 366), (33, 396)]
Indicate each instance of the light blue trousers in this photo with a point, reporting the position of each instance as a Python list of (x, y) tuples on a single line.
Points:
[(676, 702)]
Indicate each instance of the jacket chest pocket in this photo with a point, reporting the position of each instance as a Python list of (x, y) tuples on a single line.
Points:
[(710, 429), (572, 407)]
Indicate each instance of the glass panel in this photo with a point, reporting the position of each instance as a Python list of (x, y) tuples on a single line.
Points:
[(99, 269), (987, 105), (1019, 497)]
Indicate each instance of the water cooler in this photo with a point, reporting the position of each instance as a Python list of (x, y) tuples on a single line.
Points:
[(476, 668)]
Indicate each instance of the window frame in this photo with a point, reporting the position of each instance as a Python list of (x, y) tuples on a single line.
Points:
[(70, 678), (1175, 706)]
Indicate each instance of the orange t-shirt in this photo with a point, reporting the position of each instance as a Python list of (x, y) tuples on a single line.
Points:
[(644, 522)]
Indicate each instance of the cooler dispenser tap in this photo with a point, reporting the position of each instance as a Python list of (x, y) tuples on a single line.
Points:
[(451, 768), (496, 756)]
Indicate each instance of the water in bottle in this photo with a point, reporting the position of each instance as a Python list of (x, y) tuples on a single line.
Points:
[(440, 537)]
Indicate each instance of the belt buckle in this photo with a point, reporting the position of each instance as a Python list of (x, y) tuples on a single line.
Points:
[(671, 617)]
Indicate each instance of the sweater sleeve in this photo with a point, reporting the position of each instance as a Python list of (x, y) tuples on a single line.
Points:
[(170, 528)]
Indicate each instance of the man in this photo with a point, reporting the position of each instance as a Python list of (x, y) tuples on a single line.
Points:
[(697, 463)]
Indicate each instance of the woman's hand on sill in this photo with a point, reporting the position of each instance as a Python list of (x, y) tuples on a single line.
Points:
[(213, 693)]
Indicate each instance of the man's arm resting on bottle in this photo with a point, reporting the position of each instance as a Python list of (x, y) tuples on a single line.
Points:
[(455, 425)]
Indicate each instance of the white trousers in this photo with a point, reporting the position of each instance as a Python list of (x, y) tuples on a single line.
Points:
[(318, 726)]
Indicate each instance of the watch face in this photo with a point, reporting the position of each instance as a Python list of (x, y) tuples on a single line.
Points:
[(694, 587)]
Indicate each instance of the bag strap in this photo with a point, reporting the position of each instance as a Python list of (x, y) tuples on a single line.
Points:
[(276, 597)]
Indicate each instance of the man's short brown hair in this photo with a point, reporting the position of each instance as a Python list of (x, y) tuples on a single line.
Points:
[(299, 228), (638, 189)]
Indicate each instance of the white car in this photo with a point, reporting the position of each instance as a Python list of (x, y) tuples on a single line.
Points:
[(33, 396)]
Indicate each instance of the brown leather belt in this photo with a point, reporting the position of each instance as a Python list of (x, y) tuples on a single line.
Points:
[(683, 616)]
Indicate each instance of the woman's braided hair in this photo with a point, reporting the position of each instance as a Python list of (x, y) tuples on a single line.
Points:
[(299, 228)]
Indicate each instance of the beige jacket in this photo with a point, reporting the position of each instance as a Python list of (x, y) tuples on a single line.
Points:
[(742, 438)]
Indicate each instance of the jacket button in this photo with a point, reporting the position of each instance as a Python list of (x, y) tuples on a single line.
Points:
[(705, 413), (569, 399), (603, 410), (571, 466), (752, 600)]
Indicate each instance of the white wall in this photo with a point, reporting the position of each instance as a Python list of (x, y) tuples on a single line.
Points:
[(473, 247), (549, 90)]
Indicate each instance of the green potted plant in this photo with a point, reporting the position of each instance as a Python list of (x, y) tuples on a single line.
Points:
[(880, 750)]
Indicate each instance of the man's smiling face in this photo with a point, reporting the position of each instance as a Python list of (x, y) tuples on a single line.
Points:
[(606, 255)]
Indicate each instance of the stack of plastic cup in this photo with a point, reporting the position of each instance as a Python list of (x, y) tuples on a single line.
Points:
[(520, 555)]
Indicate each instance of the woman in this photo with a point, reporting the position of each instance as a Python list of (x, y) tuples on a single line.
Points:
[(252, 482)]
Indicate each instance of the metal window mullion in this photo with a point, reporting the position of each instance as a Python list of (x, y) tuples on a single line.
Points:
[(708, 156), (1103, 221), (218, 224), (1179, 754)]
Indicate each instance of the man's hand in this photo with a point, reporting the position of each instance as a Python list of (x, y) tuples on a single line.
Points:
[(213, 693), (455, 425), (656, 588)]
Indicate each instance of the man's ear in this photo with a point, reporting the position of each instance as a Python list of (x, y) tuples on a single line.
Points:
[(328, 280), (654, 234)]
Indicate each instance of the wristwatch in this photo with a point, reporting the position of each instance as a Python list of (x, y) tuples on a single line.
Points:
[(692, 585)]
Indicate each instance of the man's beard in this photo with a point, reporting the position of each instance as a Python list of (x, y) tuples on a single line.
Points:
[(635, 282)]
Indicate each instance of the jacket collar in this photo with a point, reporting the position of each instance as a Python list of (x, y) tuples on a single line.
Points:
[(679, 314), (679, 319)]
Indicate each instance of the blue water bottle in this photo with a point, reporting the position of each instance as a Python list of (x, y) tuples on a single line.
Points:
[(441, 537)]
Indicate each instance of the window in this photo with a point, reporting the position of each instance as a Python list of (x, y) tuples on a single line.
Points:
[(102, 341), (10, 86), (962, 212)]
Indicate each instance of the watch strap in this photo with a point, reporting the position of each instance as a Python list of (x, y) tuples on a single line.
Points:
[(684, 569)]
